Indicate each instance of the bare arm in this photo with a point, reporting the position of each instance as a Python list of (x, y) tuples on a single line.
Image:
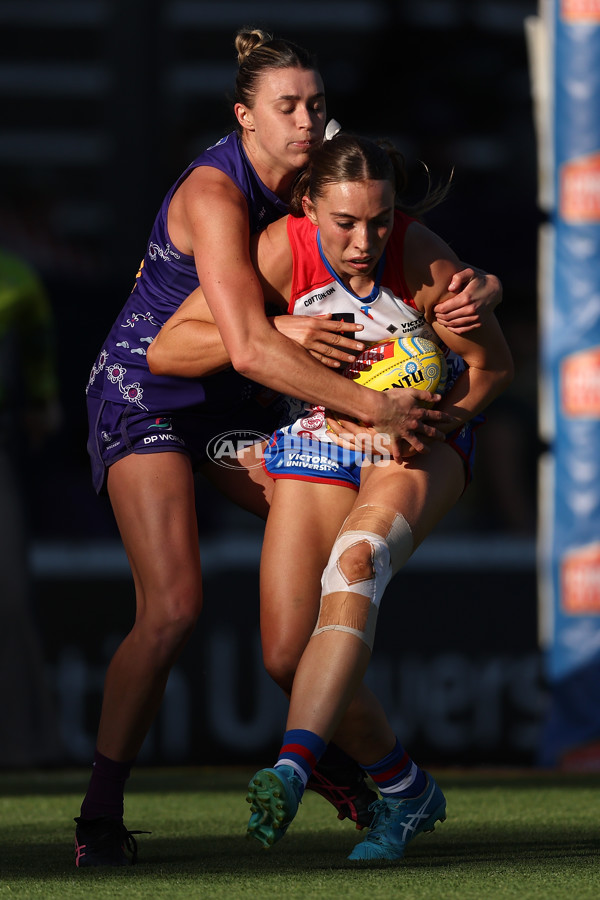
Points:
[(429, 267), (215, 216), (473, 294), (210, 215), (190, 345)]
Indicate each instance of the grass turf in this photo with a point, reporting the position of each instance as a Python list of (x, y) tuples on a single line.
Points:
[(525, 835)]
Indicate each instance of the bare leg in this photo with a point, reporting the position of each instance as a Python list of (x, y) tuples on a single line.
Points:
[(334, 662), (302, 526), (328, 699), (245, 482), (153, 501), (303, 522)]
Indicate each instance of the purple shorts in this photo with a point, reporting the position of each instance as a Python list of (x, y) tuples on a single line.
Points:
[(293, 456), (116, 431)]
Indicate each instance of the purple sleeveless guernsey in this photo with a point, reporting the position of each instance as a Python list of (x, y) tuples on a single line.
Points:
[(120, 373)]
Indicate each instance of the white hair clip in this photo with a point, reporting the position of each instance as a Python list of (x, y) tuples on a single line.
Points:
[(332, 129)]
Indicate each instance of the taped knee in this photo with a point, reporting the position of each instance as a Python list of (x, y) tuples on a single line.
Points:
[(360, 567), (386, 523)]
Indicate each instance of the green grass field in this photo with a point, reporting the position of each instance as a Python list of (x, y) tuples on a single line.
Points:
[(508, 834)]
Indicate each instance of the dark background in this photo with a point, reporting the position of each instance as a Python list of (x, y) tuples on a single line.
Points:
[(104, 102)]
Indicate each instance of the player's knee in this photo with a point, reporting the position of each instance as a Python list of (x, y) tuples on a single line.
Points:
[(356, 562), (182, 605), (165, 640), (372, 541), (167, 622), (281, 668), (181, 624), (280, 659), (377, 524)]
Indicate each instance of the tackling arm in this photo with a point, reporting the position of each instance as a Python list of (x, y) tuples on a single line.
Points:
[(429, 267), (190, 345), (473, 294), (211, 215)]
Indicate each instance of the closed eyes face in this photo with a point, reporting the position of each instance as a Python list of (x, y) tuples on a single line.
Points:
[(355, 220), (287, 118)]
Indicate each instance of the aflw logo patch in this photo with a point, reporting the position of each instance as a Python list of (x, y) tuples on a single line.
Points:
[(580, 189), (580, 581), (580, 384)]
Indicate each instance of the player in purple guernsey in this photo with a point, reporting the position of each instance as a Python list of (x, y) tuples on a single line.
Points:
[(149, 433), (166, 276)]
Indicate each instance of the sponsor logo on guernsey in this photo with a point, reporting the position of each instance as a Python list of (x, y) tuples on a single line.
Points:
[(315, 461), (314, 421), (161, 423), (574, 11), (580, 189), (318, 296), (580, 581), (580, 384), (415, 325), (164, 438)]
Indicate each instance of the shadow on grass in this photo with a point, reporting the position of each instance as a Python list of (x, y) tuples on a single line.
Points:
[(300, 852), (37, 842)]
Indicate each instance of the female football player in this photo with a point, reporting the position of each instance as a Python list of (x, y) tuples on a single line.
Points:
[(347, 519), (148, 434)]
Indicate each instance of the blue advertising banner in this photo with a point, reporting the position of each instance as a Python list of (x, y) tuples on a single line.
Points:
[(571, 377)]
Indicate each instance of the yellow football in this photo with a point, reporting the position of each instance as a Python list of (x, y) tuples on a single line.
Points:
[(412, 362)]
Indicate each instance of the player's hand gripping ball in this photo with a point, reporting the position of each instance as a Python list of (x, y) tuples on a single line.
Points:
[(412, 362), (404, 362)]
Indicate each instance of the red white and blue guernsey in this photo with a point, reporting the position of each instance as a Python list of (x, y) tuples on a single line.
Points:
[(303, 449), (127, 404)]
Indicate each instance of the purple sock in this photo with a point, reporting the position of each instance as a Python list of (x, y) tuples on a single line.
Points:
[(104, 795)]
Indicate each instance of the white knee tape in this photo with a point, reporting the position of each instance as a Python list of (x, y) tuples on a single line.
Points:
[(349, 603), (334, 580), (400, 541)]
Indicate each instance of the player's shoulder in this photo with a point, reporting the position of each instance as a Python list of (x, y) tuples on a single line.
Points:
[(208, 183), (300, 225), (274, 256), (277, 231), (301, 235), (209, 201)]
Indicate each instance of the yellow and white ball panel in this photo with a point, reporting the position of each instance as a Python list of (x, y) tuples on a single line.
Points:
[(412, 362)]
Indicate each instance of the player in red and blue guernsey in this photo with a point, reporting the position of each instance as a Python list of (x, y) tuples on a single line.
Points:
[(355, 254)]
